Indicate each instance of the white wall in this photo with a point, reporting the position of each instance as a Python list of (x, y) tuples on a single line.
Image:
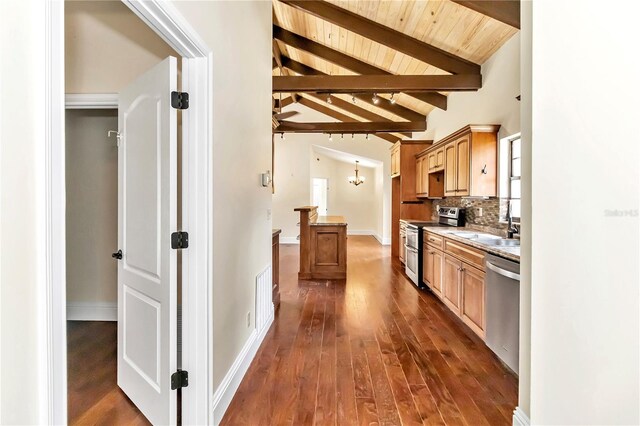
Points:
[(92, 207), (239, 33), (585, 356), (357, 204), (107, 46), (292, 175), (22, 135), (495, 103)]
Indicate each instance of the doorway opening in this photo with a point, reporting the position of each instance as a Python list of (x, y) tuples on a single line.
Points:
[(123, 201), (319, 195)]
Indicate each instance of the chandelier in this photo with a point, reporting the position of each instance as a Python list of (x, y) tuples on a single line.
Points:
[(357, 179)]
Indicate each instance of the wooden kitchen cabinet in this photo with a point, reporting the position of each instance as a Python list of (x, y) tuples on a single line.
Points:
[(470, 161), (275, 268), (422, 177), (451, 283), (395, 160), (436, 160), (402, 241), (433, 261), (472, 307)]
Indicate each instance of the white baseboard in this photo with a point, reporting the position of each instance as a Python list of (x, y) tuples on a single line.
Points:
[(520, 418), (383, 241), (83, 311), (289, 240), (224, 394), (359, 232)]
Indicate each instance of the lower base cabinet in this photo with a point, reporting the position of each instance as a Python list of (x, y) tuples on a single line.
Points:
[(462, 288), (433, 261), (451, 283), (472, 308)]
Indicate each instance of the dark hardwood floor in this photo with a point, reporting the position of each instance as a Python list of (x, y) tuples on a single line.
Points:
[(94, 397), (371, 350)]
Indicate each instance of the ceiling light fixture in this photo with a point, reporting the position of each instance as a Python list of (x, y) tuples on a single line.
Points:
[(281, 135), (357, 179), (392, 100), (329, 101), (375, 99)]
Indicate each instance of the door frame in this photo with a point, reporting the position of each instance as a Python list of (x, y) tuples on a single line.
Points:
[(197, 207)]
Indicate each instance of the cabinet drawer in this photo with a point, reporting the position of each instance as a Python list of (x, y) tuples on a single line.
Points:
[(434, 240), (464, 252)]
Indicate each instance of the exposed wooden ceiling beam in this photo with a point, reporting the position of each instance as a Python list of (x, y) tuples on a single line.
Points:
[(386, 36), (506, 11), (279, 104), (396, 109), (348, 62), (342, 117), (351, 108), (352, 127), (377, 83)]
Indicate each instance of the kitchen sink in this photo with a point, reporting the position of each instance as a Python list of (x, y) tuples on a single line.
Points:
[(501, 242)]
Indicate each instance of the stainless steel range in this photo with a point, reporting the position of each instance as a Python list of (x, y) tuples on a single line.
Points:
[(447, 216)]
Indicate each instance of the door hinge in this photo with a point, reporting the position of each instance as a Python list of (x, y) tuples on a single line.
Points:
[(180, 100), (180, 240), (179, 379)]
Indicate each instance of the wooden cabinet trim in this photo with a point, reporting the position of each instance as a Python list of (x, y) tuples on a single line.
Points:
[(464, 252), (434, 240)]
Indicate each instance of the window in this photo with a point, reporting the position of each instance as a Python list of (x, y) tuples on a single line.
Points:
[(515, 174)]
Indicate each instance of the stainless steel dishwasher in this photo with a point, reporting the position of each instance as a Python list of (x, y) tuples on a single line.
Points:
[(503, 309)]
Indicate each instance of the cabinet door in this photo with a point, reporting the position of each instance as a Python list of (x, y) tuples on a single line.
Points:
[(451, 283), (432, 270), (450, 169), (462, 166), (418, 174), (425, 176), (472, 307), (439, 158), (438, 267), (432, 161)]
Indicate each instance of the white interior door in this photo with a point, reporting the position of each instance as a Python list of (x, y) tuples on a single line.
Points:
[(319, 197), (147, 208)]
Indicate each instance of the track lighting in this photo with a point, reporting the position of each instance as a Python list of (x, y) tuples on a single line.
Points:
[(353, 98), (367, 137), (329, 101), (330, 137), (375, 99), (351, 135), (281, 135), (392, 100), (342, 136)]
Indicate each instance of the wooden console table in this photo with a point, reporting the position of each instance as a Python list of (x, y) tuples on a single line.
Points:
[(323, 245)]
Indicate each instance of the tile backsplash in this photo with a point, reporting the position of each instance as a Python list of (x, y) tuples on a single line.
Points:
[(492, 210)]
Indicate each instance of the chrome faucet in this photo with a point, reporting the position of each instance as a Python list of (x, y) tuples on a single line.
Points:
[(511, 228)]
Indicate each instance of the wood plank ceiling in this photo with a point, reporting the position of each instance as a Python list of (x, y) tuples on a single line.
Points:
[(458, 36)]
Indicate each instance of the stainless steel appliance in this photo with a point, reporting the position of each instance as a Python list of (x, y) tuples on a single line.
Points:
[(503, 309), (447, 216)]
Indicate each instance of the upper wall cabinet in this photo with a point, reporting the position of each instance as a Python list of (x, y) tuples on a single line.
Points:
[(470, 161), (403, 167)]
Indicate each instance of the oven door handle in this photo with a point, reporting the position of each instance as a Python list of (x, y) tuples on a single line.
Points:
[(498, 270), (411, 249)]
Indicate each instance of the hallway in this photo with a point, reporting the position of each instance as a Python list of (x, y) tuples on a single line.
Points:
[(373, 350)]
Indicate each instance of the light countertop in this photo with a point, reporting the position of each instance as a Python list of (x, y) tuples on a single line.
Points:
[(329, 221), (511, 253)]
